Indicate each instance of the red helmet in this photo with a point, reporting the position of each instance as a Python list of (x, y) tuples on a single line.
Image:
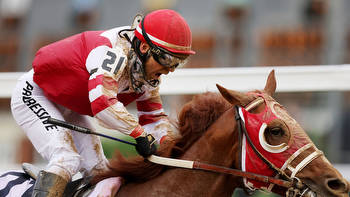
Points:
[(168, 30)]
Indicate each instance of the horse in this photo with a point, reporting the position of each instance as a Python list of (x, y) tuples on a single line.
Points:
[(248, 132)]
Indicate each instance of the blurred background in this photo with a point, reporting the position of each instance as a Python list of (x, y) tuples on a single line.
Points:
[(226, 33)]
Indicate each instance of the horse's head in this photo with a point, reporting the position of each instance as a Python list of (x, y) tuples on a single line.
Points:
[(287, 150)]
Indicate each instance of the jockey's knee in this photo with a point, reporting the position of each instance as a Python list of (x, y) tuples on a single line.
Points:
[(99, 168), (65, 164)]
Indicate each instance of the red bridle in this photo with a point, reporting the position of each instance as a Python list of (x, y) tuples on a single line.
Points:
[(262, 158)]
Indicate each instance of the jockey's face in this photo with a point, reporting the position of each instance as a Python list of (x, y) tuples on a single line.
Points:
[(153, 69)]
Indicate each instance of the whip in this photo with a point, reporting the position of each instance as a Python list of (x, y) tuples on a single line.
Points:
[(84, 130)]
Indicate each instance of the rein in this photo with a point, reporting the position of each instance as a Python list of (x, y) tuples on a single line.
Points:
[(218, 169)]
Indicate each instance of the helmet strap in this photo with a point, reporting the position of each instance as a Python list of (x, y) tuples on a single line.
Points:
[(135, 23), (138, 74), (136, 43)]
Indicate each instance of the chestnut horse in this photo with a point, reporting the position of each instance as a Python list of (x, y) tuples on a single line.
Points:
[(215, 133)]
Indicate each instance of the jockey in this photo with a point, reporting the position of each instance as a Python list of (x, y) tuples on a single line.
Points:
[(98, 73)]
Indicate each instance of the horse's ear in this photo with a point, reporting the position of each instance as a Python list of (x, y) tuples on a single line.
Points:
[(270, 86), (233, 97)]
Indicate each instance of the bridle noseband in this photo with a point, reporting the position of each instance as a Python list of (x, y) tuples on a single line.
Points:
[(297, 189)]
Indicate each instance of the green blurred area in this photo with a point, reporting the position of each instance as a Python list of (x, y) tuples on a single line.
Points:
[(240, 193), (110, 146)]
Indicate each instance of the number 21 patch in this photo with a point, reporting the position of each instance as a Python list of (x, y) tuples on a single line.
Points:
[(114, 60)]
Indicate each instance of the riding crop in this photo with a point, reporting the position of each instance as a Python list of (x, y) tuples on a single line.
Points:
[(181, 163), (83, 130)]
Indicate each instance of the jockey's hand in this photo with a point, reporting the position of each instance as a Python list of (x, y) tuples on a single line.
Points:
[(146, 144)]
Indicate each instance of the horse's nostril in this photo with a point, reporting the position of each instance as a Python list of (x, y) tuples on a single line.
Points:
[(337, 185)]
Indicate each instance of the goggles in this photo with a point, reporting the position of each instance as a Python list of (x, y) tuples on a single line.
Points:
[(166, 59), (160, 55)]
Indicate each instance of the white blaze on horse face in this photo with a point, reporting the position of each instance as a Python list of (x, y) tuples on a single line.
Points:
[(268, 147)]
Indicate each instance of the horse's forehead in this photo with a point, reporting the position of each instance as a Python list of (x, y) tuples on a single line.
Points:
[(281, 112), (278, 111)]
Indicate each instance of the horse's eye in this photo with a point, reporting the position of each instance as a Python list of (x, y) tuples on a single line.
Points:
[(276, 131), (274, 138)]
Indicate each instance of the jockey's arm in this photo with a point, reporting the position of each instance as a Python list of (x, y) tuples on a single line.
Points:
[(103, 90), (152, 117)]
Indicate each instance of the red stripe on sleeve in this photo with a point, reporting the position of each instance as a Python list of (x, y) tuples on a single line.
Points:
[(149, 118), (148, 106), (127, 98), (93, 83), (102, 103), (162, 139), (137, 132)]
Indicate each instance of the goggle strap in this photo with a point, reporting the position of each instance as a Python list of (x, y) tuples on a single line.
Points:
[(145, 36)]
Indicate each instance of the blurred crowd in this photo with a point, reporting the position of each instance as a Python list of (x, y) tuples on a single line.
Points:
[(225, 32)]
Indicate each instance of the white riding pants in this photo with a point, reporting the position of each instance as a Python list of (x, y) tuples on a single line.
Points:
[(66, 151)]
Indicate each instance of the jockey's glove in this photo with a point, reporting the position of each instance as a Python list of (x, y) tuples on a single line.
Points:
[(146, 144)]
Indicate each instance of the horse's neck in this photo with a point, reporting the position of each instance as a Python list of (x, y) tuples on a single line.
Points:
[(217, 143), (217, 146)]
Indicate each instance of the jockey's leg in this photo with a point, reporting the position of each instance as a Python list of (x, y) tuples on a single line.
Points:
[(31, 109), (88, 146)]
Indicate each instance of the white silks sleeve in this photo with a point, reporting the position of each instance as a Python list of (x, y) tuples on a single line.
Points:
[(118, 118)]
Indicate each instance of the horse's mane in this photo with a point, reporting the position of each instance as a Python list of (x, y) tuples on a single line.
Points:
[(193, 120)]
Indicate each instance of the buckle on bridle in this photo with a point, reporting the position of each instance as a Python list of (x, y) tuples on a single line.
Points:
[(299, 189)]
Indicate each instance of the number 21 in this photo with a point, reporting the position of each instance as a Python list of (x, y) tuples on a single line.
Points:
[(111, 60)]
